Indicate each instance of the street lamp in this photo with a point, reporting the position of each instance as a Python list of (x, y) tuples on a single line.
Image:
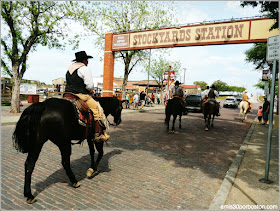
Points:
[(184, 73)]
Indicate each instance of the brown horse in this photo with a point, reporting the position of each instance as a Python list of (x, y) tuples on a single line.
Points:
[(209, 111)]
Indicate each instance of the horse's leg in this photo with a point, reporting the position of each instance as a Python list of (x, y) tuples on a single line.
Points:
[(212, 122), (99, 148), (65, 150), (206, 121), (29, 167), (92, 169), (180, 119), (173, 123), (167, 119)]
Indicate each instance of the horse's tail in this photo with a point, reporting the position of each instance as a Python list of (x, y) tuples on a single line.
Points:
[(26, 128)]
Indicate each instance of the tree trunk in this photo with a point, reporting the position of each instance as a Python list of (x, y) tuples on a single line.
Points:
[(125, 79), (15, 106)]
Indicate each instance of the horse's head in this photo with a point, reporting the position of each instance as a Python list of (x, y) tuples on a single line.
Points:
[(117, 111)]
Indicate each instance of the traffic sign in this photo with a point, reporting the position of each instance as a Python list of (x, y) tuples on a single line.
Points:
[(272, 52)]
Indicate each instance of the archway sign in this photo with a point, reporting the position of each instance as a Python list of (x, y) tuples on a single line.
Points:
[(216, 33)]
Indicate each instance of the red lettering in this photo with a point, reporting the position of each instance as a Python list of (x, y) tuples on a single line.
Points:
[(188, 36), (230, 32), (144, 39), (155, 40), (210, 34), (134, 40), (203, 30), (149, 39), (175, 36), (167, 38), (182, 35), (198, 34), (217, 29), (224, 31), (239, 30), (161, 35), (139, 38)]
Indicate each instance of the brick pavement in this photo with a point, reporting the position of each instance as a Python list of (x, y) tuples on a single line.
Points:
[(143, 168)]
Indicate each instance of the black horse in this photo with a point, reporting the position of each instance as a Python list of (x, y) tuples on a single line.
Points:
[(209, 112), (174, 107), (55, 119)]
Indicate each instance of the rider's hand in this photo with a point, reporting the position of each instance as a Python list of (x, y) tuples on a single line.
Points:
[(93, 91)]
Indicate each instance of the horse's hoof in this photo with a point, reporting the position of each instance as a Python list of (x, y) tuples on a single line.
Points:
[(206, 129), (173, 131), (31, 201), (90, 172), (76, 185)]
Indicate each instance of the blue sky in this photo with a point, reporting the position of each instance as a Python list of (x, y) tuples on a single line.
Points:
[(203, 63)]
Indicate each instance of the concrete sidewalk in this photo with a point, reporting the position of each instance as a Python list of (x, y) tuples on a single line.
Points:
[(241, 184)]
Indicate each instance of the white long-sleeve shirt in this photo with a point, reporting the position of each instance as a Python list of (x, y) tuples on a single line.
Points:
[(84, 73)]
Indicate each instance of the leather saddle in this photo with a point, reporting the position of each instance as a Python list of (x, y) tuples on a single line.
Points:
[(84, 114)]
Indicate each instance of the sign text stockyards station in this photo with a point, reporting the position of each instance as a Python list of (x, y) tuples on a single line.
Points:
[(243, 31)]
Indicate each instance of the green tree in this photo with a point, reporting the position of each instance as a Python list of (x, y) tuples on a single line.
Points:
[(28, 24), (127, 16), (268, 8), (235, 89), (257, 54), (202, 84), (158, 67), (220, 86)]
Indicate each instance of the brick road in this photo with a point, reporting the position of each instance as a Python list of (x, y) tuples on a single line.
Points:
[(143, 168)]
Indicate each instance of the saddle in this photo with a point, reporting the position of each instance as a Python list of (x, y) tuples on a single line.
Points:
[(84, 114)]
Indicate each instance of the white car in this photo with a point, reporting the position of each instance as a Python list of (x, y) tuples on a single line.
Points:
[(230, 102)]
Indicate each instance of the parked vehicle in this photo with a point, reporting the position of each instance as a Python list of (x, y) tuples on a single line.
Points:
[(230, 102), (239, 99), (193, 102)]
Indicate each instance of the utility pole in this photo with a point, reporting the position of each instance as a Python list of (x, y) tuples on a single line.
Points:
[(184, 74), (149, 71)]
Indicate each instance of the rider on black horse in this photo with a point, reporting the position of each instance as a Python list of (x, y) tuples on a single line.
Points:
[(79, 82), (177, 92), (211, 95)]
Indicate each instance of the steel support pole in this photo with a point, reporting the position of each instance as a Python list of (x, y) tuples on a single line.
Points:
[(271, 108)]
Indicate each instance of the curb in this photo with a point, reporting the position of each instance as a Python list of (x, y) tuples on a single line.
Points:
[(221, 195)]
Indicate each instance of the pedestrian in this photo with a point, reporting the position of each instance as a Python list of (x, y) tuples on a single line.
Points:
[(135, 100), (158, 98), (265, 111), (127, 100), (260, 114), (142, 99), (79, 82), (153, 97)]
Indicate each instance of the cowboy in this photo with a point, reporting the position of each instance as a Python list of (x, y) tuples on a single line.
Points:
[(246, 98), (79, 81), (212, 94), (177, 91)]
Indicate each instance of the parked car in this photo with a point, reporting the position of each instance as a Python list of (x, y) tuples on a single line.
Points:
[(193, 102), (230, 102), (239, 99)]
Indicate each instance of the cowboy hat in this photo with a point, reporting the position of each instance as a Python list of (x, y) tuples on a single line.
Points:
[(246, 91), (177, 83), (213, 86), (81, 55)]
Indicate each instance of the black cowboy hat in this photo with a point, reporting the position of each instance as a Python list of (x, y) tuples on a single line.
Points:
[(213, 87), (177, 83), (81, 55)]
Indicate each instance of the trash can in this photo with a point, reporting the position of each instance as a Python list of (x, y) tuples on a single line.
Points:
[(33, 98)]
